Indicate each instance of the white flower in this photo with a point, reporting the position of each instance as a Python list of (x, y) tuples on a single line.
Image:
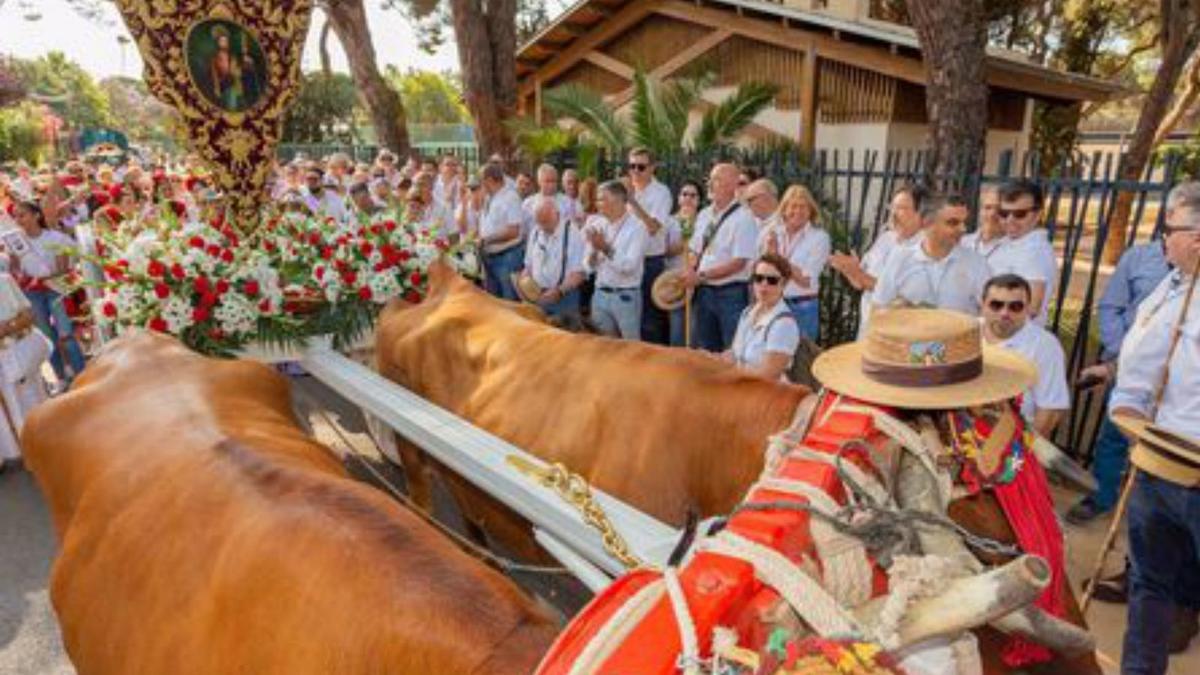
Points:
[(383, 287), (237, 314), (177, 312)]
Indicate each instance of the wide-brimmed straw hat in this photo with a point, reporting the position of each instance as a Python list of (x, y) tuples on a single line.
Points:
[(926, 359), (527, 288), (668, 291), (1160, 452)]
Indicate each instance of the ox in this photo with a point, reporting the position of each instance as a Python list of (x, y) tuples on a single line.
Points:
[(668, 431), (203, 532)]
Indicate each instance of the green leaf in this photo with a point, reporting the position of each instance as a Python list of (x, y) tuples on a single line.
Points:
[(590, 111), (724, 122)]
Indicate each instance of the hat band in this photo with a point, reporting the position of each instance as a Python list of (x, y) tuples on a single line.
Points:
[(923, 376)]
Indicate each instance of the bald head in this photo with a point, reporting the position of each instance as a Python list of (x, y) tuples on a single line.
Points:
[(723, 182), (546, 214)]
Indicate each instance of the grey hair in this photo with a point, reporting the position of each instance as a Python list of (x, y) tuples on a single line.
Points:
[(1185, 195), (547, 168), (615, 188)]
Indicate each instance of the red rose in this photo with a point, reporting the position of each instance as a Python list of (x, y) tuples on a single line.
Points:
[(200, 284), (389, 225), (314, 239), (227, 255), (412, 296), (177, 271), (365, 292), (250, 288), (319, 273), (222, 286), (161, 290), (200, 314), (365, 248), (268, 247), (123, 263), (379, 266), (326, 253), (265, 305), (196, 242), (110, 310), (208, 300), (403, 255), (341, 265), (115, 273), (415, 278), (349, 276), (216, 334), (158, 324), (100, 248), (156, 269), (213, 250)]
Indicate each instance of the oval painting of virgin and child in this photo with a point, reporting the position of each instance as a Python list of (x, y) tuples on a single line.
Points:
[(226, 64)]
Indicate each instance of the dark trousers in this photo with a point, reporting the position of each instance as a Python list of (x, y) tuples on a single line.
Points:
[(500, 267), (656, 326), (1164, 533), (717, 311)]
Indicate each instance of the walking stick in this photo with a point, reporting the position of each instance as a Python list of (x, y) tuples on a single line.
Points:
[(687, 319), (1110, 537)]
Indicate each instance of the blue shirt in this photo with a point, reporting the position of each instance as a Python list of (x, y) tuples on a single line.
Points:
[(1139, 271)]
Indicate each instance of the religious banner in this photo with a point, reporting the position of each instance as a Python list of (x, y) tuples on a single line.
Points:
[(230, 68)]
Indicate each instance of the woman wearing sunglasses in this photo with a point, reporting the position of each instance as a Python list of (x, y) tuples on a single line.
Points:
[(767, 333)]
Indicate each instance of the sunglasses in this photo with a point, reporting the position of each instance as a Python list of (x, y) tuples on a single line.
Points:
[(768, 279), (638, 167), (1013, 213), (1169, 230), (1015, 306)]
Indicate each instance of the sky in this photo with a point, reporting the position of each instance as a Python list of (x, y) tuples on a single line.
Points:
[(94, 45)]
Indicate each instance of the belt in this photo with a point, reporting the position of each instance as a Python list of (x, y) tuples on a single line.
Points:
[(801, 298), (614, 289), (656, 256)]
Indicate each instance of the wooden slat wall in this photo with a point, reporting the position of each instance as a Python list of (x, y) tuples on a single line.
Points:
[(654, 41), (740, 59), (593, 77), (851, 95)]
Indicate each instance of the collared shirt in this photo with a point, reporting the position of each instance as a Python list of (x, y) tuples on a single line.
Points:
[(736, 238), (774, 331), (627, 238), (566, 210), (914, 278), (1144, 358), (807, 250), (656, 200), (44, 249), (329, 205), (1140, 270), (500, 211), (975, 242), (545, 254), (874, 262), (1044, 350), (1031, 257)]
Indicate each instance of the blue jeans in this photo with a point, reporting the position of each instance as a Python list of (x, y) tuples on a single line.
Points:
[(1108, 462), (51, 318), (499, 268), (1164, 531), (618, 312), (717, 310), (676, 319), (807, 312), (655, 325), (567, 305)]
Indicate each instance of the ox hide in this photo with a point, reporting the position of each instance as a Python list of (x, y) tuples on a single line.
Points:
[(203, 532)]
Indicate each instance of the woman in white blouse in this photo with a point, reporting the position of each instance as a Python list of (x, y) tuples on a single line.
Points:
[(767, 334), (796, 237)]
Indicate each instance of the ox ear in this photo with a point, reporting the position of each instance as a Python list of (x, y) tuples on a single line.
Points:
[(441, 276)]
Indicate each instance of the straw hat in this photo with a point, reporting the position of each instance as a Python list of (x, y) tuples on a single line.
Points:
[(924, 359), (668, 290), (1160, 452), (527, 288)]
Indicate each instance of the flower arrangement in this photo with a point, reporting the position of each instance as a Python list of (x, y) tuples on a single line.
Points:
[(294, 277)]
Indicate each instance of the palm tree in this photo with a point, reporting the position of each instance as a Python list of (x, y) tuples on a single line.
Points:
[(660, 112)]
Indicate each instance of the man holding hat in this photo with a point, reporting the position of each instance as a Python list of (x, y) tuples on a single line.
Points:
[(553, 260), (1155, 402)]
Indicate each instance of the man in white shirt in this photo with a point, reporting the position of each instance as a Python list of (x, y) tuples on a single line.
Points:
[(448, 186), (650, 203), (500, 233), (554, 259), (725, 242), (547, 180), (1006, 323), (570, 187), (763, 199), (616, 253), (937, 272), (990, 235), (1026, 250), (321, 199)]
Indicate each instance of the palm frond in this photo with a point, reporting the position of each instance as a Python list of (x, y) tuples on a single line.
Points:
[(723, 123), (538, 141), (590, 111), (678, 98)]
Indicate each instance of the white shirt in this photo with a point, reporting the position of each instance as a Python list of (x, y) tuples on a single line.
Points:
[(545, 252), (627, 238), (807, 250), (873, 263), (500, 211), (566, 210), (975, 243), (775, 332), (44, 249), (954, 282), (1044, 350), (737, 238), (1143, 358), (656, 200), (1031, 257), (329, 205)]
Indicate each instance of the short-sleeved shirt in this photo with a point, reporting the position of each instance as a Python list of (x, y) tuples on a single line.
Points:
[(1031, 257), (976, 243), (655, 200), (545, 253), (874, 262), (44, 249), (736, 238), (627, 238), (774, 331), (912, 277), (566, 210), (500, 211), (1044, 350), (808, 250)]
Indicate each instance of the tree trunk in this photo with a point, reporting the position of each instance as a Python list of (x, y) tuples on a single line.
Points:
[(1184, 103), (1180, 36), (323, 47), (953, 37), (349, 19), (486, 33)]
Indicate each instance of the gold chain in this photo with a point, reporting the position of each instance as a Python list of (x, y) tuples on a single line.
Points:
[(576, 492)]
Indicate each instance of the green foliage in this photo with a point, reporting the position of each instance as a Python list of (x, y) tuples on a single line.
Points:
[(140, 116), (325, 110), (66, 88), (541, 143), (429, 97), (722, 124), (21, 134), (589, 109)]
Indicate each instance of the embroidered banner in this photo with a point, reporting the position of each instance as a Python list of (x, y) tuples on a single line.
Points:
[(230, 69)]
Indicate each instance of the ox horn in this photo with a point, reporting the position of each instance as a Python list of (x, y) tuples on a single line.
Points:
[(1063, 637), (1057, 461)]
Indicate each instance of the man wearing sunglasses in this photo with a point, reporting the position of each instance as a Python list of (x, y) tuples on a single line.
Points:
[(1026, 250), (1006, 322), (650, 203)]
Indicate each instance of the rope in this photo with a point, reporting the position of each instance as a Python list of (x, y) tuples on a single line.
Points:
[(689, 658), (506, 565), (614, 631), (860, 482)]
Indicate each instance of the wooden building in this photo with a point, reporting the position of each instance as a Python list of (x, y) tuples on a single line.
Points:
[(847, 78)]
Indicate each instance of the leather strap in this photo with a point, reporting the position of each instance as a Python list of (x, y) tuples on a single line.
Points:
[(923, 376)]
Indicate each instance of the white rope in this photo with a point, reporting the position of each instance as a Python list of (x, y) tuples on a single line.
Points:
[(907, 437), (911, 578), (689, 658), (614, 631), (808, 599)]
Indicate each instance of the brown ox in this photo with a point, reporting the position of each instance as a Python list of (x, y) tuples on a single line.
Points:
[(668, 431), (203, 532)]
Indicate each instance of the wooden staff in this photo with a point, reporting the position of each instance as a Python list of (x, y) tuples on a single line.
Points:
[(687, 318), (1110, 537)]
